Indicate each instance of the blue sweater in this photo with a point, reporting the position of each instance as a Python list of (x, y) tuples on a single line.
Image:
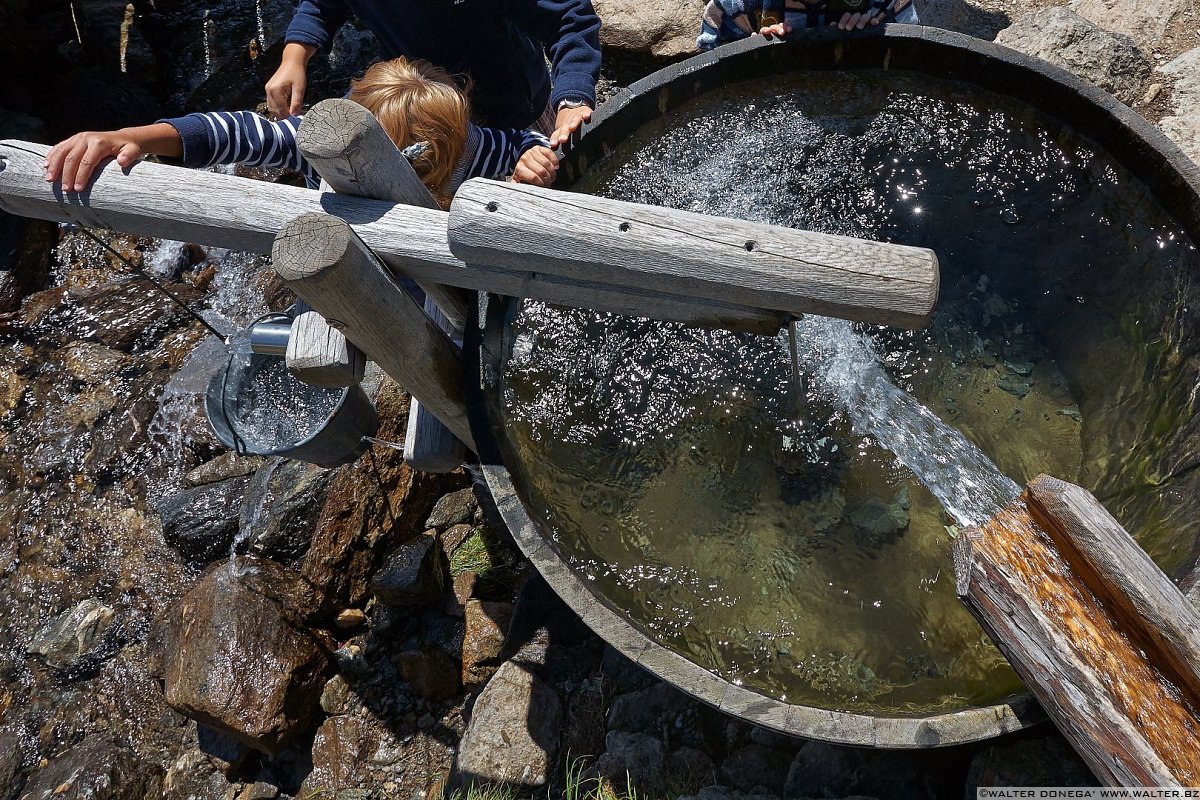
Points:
[(500, 44), (730, 20), (244, 137)]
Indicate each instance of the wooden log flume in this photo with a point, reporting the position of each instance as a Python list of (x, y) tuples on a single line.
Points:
[(170, 202), (1103, 639)]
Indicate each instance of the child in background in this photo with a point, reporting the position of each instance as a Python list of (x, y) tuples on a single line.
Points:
[(730, 20), (500, 46), (419, 106)]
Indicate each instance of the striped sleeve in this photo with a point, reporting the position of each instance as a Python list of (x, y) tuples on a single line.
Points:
[(494, 152), (241, 137)]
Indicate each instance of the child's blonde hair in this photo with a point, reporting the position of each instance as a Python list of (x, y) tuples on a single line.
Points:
[(415, 102)]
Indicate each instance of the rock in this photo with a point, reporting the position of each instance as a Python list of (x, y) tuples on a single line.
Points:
[(259, 791), (821, 769), (225, 754), (11, 757), (512, 736), (632, 760), (879, 520), (646, 709), (486, 624), (432, 672), (1017, 388), (690, 766), (342, 745), (92, 363), (74, 635), (755, 766), (280, 507), (336, 696), (953, 15), (237, 660), (452, 509), (226, 465), (454, 536), (12, 388), (464, 586), (908, 776), (659, 27), (86, 409), (123, 314), (1183, 124), (414, 574), (201, 523), (1111, 61), (1041, 760), (350, 619), (1144, 20), (95, 769)]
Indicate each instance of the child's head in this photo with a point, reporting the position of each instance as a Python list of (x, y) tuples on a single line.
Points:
[(415, 101)]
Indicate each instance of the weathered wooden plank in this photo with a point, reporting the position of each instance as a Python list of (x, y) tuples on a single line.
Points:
[(766, 266), (242, 214), (320, 355), (349, 149), (325, 262), (1141, 598), (1105, 692), (428, 445)]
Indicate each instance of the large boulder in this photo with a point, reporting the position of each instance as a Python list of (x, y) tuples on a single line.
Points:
[(237, 659), (663, 28), (512, 736), (1111, 61), (1144, 20), (1183, 124)]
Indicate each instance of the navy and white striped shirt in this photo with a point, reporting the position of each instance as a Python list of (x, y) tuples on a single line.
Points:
[(243, 137)]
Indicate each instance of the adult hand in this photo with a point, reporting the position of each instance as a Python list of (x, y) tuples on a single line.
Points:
[(567, 122), (538, 165), (285, 89), (75, 159), (856, 22)]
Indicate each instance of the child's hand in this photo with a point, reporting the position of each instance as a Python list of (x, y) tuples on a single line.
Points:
[(73, 160), (285, 89), (780, 29), (853, 22), (538, 165)]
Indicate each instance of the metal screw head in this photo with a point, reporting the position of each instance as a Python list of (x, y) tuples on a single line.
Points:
[(492, 206)]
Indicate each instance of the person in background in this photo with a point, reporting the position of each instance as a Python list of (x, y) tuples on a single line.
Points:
[(419, 105), (499, 46), (731, 20)]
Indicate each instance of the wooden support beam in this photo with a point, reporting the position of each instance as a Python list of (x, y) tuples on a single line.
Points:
[(242, 214), (582, 237), (325, 262), (349, 149), (320, 355), (1094, 629), (428, 445)]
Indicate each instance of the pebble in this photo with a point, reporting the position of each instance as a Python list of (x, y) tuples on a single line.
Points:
[(351, 618)]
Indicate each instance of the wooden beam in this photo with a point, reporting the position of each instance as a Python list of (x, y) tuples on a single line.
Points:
[(320, 355), (243, 214), (428, 445), (325, 262), (349, 149), (1096, 670), (582, 237)]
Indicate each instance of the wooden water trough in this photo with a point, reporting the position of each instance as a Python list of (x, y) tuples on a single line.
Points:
[(1104, 640), (347, 252)]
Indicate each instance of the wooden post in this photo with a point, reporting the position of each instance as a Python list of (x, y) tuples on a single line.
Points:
[(242, 214), (325, 262), (351, 151), (581, 237), (1100, 636), (428, 445), (320, 355)]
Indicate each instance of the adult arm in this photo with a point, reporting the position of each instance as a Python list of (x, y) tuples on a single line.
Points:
[(570, 32)]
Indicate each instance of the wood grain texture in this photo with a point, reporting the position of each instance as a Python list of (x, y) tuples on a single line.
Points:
[(321, 355), (1147, 604), (349, 149), (581, 237), (428, 445), (242, 214), (323, 260), (1104, 692)]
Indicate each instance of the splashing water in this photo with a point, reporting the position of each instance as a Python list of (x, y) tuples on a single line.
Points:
[(845, 365)]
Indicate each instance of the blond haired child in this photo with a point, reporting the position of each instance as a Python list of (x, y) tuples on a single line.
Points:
[(419, 106)]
